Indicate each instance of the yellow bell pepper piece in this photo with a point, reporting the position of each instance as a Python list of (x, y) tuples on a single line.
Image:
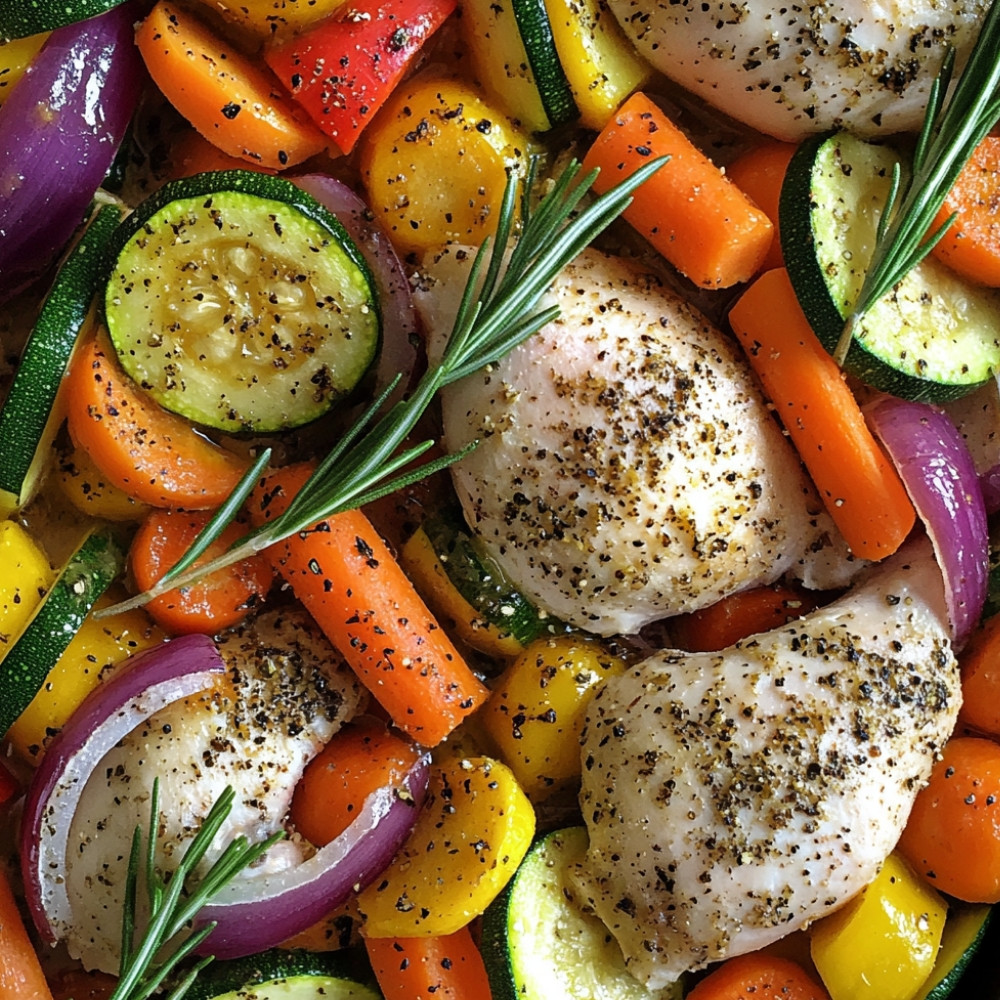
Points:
[(882, 944), (600, 63), (25, 579), (474, 829), (266, 19), (434, 164), (15, 57), (97, 647), (536, 712)]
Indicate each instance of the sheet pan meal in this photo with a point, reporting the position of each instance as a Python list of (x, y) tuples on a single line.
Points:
[(497, 499)]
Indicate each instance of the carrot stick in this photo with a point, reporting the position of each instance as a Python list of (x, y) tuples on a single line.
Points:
[(429, 968), (346, 576), (858, 484), (21, 976), (740, 615), (972, 244), (363, 757), (231, 100), (759, 174), (758, 976), (154, 456), (689, 210), (951, 835), (216, 602)]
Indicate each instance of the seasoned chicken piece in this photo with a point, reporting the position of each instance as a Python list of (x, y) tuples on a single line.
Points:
[(287, 691), (628, 468), (794, 69), (734, 797)]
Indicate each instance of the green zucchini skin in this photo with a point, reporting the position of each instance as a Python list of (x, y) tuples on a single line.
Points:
[(964, 933), (553, 87), (302, 988), (20, 18), (88, 572), (908, 342), (579, 962), (239, 302), (224, 977), (25, 430), (481, 581)]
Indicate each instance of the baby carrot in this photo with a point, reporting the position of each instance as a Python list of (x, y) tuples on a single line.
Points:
[(759, 174), (21, 976), (972, 245), (154, 456), (697, 218), (231, 100), (858, 484), (758, 976), (216, 602), (429, 968), (347, 578)]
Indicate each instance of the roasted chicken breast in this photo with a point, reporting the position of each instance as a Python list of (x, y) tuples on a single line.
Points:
[(734, 797)]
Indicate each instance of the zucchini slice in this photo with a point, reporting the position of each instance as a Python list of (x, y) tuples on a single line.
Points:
[(576, 958), (86, 575), (20, 18), (964, 932), (515, 54), (302, 988), (489, 612), (935, 336), (246, 976), (236, 300), (30, 416)]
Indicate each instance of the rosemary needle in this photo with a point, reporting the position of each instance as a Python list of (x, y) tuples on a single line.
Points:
[(174, 902), (497, 312), (950, 134)]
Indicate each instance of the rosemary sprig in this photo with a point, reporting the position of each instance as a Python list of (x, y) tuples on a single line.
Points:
[(497, 312), (174, 902), (947, 140)]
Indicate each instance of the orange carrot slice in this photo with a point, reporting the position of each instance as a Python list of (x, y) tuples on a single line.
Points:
[(689, 210), (972, 245), (347, 578), (758, 976), (229, 99), (216, 602), (154, 456), (858, 484), (362, 758)]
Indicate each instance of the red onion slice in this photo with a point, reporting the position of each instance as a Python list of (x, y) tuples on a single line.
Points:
[(59, 132), (400, 352), (940, 476), (144, 685), (254, 913)]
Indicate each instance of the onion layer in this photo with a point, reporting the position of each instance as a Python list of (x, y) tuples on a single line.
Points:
[(940, 476), (400, 353), (140, 688), (254, 913), (59, 132)]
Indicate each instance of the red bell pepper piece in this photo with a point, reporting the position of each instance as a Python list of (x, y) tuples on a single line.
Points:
[(343, 70)]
